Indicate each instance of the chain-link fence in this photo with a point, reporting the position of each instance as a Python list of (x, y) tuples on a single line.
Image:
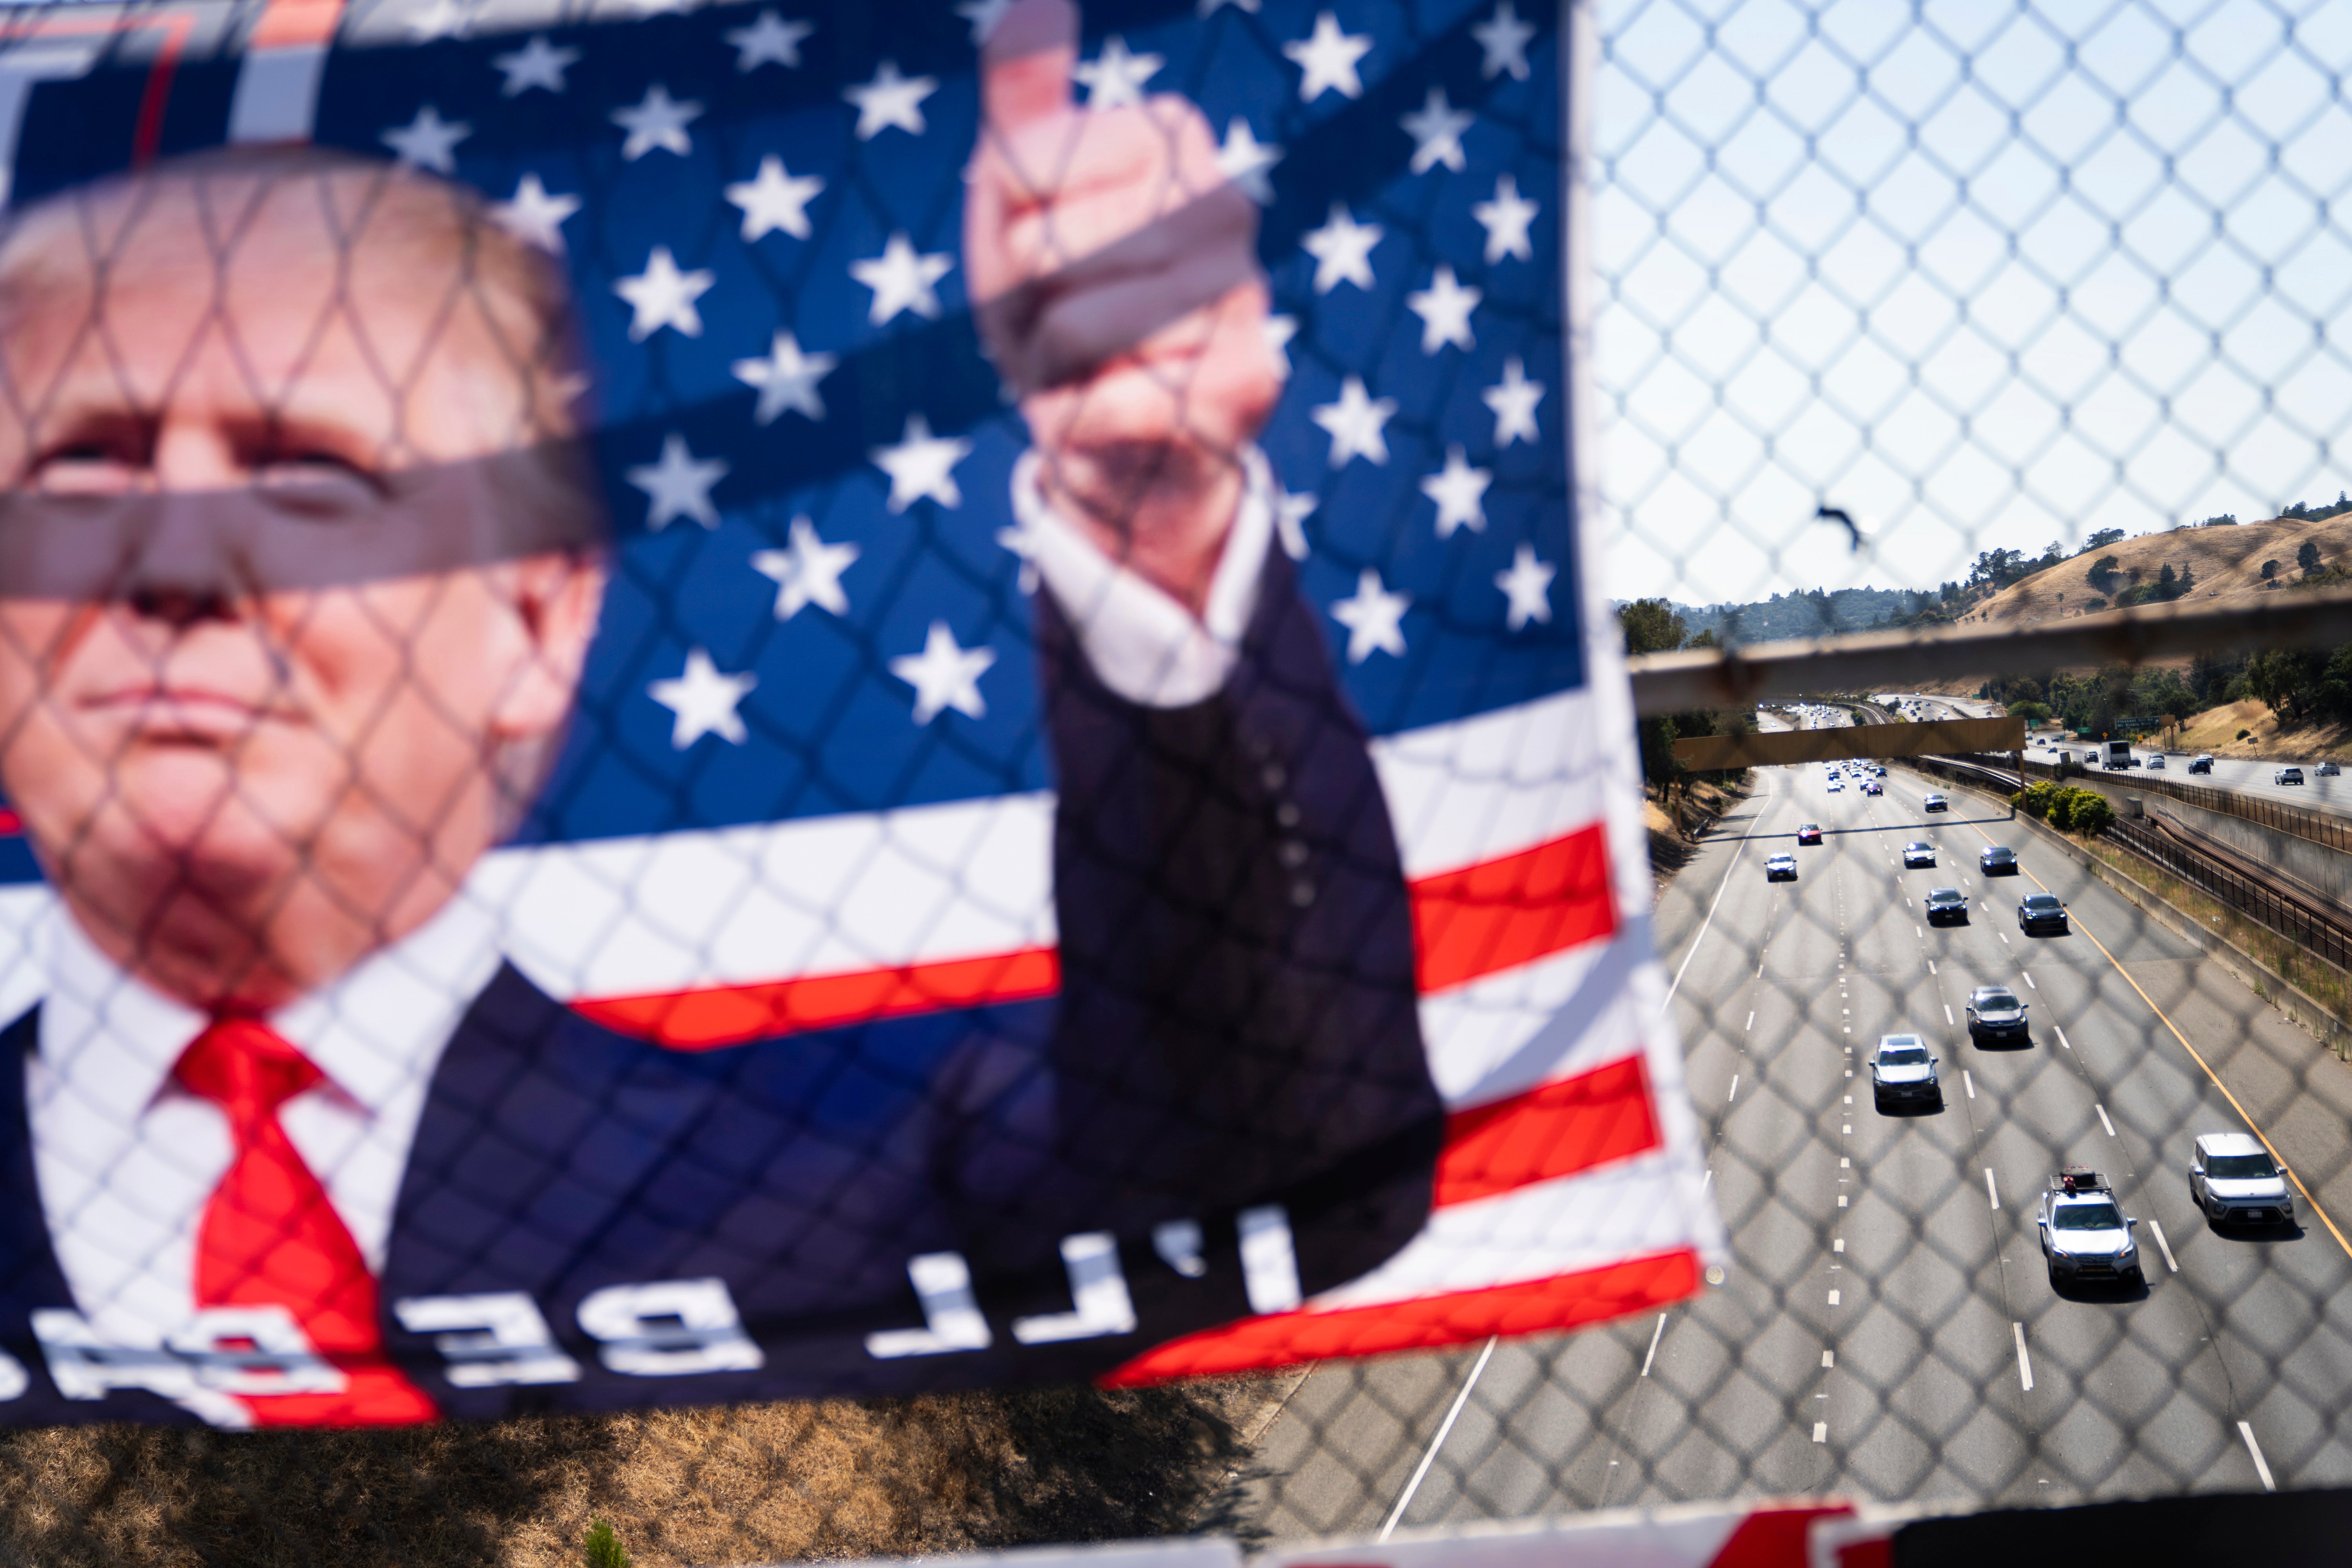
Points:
[(1879, 297)]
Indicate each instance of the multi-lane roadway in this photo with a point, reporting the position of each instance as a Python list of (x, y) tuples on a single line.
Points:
[(2244, 775), (1886, 1328)]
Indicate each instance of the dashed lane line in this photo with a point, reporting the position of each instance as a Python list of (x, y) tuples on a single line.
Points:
[(1655, 1335), (2102, 1120), (2212, 1077), (2262, 1468), (2025, 1370), (1990, 1191), (2163, 1245)]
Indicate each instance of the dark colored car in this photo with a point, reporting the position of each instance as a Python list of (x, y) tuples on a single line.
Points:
[(1997, 861), (2040, 911), (1808, 834), (2201, 765), (1996, 1014), (1943, 904)]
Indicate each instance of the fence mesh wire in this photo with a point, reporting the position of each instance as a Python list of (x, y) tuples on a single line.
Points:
[(1972, 276)]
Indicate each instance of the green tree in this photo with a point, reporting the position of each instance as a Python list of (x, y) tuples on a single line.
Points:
[(2032, 712), (2168, 583), (2309, 556), (2270, 570), (2088, 813), (2102, 573), (603, 1549), (1651, 626), (2101, 540)]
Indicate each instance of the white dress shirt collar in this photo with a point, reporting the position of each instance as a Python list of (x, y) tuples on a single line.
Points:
[(116, 1040)]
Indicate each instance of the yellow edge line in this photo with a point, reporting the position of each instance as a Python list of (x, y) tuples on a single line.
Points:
[(2214, 1078)]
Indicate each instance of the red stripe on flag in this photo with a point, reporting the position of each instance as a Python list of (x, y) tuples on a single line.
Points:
[(1499, 914), (10, 823), (1466, 924), (1432, 1323), (1555, 1130), (729, 1016)]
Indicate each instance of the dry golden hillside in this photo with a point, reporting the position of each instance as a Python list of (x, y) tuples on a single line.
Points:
[(2227, 562)]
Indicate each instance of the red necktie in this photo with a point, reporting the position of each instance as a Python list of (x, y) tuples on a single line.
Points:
[(270, 1237)]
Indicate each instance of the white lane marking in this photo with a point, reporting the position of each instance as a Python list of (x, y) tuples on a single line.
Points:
[(1947, 1012), (1829, 1358), (1841, 1200), (1735, 1090), (1701, 937), (1834, 1297), (1917, 932), (2102, 1120), (1844, 1162), (2062, 1037), (2262, 1469), (2028, 982), (1708, 1177), (1931, 966), (2162, 1246), (2004, 937), (1990, 1191), (2024, 1362), (1438, 1442), (1655, 1335), (1751, 1022), (1821, 1431), (1838, 1246), (1967, 1083)]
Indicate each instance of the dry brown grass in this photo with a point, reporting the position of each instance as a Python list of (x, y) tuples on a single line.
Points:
[(752, 1484), (2228, 563)]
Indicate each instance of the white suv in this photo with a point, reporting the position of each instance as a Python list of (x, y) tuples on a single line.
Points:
[(2235, 1181)]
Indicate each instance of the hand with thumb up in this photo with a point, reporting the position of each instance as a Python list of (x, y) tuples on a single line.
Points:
[(1118, 293)]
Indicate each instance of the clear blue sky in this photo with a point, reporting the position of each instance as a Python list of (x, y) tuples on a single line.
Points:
[(1984, 275)]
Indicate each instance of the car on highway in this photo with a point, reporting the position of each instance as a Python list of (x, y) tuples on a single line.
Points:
[(1943, 904), (1901, 1071), (1836, 788), (1810, 833), (1996, 1014), (1872, 787), (1780, 866), (2084, 1236), (2287, 777), (1918, 856), (2042, 911), (2156, 762), (1936, 802), (2234, 1180), (2203, 764), (2327, 771), (1997, 861)]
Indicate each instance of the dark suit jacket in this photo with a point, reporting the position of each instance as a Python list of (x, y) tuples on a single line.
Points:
[(1236, 1025)]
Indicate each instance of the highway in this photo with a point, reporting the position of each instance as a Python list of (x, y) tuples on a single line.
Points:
[(1886, 1328), (2244, 776)]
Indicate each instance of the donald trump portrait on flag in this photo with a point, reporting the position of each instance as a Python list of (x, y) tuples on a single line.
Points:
[(303, 558)]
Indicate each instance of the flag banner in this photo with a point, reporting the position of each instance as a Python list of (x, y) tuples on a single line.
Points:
[(755, 700)]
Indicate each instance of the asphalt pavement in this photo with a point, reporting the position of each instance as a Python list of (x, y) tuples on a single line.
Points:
[(2240, 775), (1886, 1328)]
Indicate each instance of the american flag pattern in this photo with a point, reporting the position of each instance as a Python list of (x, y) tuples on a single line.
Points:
[(808, 784)]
